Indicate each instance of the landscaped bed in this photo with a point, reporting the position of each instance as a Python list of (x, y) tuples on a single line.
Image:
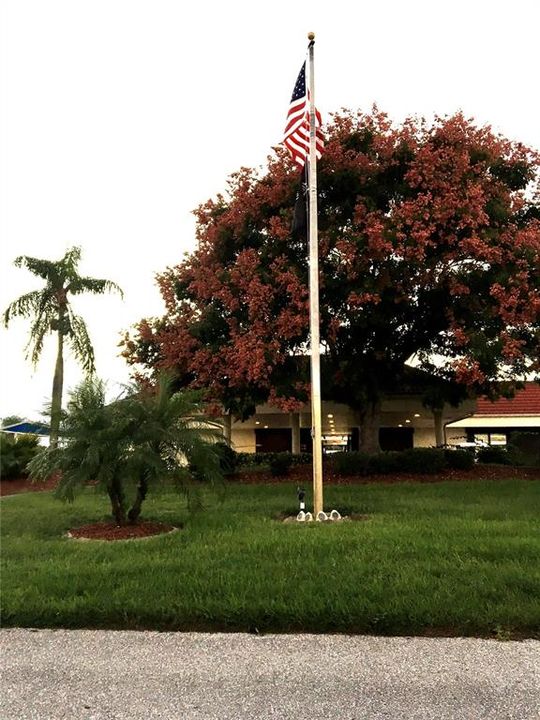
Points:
[(303, 474), (451, 558)]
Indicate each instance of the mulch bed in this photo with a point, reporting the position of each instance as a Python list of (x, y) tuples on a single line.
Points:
[(303, 474), (110, 531), (23, 484)]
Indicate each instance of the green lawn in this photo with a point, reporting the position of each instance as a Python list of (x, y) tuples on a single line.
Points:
[(446, 558)]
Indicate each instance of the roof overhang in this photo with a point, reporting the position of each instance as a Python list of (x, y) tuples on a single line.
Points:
[(498, 421), (27, 428)]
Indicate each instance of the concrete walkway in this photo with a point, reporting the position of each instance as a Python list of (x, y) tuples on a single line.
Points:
[(95, 675)]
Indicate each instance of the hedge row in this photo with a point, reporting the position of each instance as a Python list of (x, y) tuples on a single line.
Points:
[(429, 461), (416, 460), (268, 457)]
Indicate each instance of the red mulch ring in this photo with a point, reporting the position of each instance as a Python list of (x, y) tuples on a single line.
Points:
[(23, 484), (303, 474), (110, 531)]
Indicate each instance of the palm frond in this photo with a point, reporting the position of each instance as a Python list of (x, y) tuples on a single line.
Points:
[(24, 306), (39, 329), (71, 260), (42, 268), (96, 286), (80, 343)]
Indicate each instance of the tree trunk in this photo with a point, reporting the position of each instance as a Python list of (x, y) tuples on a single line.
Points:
[(58, 385), (439, 427), (116, 495), (227, 427), (369, 429), (135, 510), (294, 419)]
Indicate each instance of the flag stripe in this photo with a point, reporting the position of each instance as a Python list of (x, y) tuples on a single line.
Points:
[(296, 137)]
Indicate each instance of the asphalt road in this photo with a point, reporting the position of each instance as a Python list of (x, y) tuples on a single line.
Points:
[(95, 675)]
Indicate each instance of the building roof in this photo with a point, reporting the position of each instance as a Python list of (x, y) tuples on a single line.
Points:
[(27, 427), (525, 402)]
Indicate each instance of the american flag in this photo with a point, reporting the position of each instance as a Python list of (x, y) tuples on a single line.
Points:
[(297, 130)]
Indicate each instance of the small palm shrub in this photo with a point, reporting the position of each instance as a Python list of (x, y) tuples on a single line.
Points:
[(147, 436)]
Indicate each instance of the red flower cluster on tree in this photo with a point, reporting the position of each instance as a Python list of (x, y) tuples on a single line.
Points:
[(429, 245)]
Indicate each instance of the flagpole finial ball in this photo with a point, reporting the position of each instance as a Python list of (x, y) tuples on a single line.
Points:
[(311, 36)]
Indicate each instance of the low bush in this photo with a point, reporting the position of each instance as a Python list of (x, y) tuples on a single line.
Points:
[(280, 464), (245, 458), (302, 458), (351, 463), (266, 458), (415, 460), (385, 463), (422, 460), (495, 455), (525, 447), (459, 459), (16, 453)]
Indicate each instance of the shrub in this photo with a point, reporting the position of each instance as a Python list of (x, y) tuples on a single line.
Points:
[(302, 458), (524, 448), (415, 460), (245, 458), (385, 463), (496, 455), (351, 463), (266, 458), (280, 464), (16, 453), (145, 437), (459, 459), (423, 460)]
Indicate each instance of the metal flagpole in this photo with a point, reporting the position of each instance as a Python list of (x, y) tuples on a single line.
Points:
[(314, 296)]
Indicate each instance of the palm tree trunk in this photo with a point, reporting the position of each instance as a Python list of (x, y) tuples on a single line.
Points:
[(116, 495), (58, 385), (135, 510)]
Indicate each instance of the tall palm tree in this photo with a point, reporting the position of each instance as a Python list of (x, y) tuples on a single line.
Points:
[(51, 311)]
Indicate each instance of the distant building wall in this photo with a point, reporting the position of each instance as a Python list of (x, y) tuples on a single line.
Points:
[(424, 437), (455, 436), (243, 440)]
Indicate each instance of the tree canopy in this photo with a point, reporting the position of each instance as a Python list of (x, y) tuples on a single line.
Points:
[(429, 242)]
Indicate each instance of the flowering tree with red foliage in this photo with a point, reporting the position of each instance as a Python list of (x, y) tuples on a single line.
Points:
[(429, 240)]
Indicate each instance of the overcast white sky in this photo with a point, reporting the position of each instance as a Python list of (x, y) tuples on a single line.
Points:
[(118, 117)]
